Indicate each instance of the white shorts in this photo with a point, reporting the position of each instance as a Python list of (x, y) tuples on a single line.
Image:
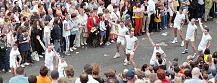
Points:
[(13, 65), (191, 38), (121, 41), (131, 52), (171, 12), (50, 66), (177, 25)]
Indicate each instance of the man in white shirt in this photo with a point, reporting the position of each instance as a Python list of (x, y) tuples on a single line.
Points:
[(178, 21), (157, 49), (131, 46), (151, 11), (191, 34), (122, 30), (50, 54), (205, 41)]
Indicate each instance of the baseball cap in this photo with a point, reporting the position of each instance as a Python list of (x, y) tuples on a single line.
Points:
[(130, 74)]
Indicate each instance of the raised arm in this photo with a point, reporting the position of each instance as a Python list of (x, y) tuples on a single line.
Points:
[(112, 23), (201, 26), (151, 41), (43, 46)]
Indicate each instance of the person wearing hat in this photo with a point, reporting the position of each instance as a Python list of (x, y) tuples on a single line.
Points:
[(130, 76)]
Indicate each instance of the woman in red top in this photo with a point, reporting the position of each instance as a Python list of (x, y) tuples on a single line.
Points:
[(92, 20)]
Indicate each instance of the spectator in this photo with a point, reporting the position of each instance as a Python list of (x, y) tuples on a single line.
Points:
[(54, 76), (69, 75), (96, 71), (19, 78), (162, 76), (43, 77), (195, 76), (88, 70), (32, 79), (84, 78)]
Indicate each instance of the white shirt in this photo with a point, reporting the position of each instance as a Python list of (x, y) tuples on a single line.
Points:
[(204, 41), (110, 8), (153, 57), (191, 30), (179, 17), (201, 2), (130, 42), (13, 55), (61, 67), (66, 26), (151, 7), (102, 26), (115, 1), (90, 80), (49, 58), (115, 16), (122, 31), (100, 9), (47, 30)]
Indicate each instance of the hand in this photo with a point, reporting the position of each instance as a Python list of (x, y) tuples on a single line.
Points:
[(38, 37)]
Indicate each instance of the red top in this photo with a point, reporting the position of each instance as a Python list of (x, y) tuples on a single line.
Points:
[(91, 22)]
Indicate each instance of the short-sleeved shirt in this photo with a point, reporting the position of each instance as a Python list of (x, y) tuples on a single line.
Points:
[(130, 42), (191, 30), (179, 17), (204, 41)]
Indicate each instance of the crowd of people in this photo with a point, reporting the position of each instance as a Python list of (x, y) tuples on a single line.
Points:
[(53, 29)]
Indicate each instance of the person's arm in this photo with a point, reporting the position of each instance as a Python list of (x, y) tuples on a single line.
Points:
[(208, 44), (136, 45), (43, 46), (150, 39), (201, 26), (51, 22), (20, 59), (112, 23)]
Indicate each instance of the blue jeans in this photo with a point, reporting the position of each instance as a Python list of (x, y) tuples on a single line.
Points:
[(57, 45), (164, 21)]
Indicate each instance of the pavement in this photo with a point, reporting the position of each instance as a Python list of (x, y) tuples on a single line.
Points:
[(104, 56)]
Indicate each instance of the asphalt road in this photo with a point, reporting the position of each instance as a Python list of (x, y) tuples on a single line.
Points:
[(104, 56)]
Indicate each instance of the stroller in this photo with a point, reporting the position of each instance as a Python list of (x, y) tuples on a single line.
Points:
[(94, 37)]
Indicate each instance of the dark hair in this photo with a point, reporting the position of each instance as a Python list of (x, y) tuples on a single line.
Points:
[(32, 79), (207, 29), (88, 69), (54, 74), (160, 61), (214, 55), (20, 71), (207, 51), (69, 71), (43, 71), (1, 80), (176, 69), (206, 67), (187, 73), (144, 67), (84, 78)]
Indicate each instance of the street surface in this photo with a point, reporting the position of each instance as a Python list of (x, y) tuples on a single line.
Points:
[(104, 56)]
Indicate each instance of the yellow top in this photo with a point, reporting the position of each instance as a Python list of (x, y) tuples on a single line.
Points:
[(137, 12), (41, 79)]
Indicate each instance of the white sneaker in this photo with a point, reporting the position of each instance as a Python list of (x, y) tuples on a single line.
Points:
[(22, 65), (182, 44), (74, 48), (40, 56), (113, 41), (27, 64), (9, 71), (117, 55), (71, 50), (125, 60), (125, 64), (174, 41)]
